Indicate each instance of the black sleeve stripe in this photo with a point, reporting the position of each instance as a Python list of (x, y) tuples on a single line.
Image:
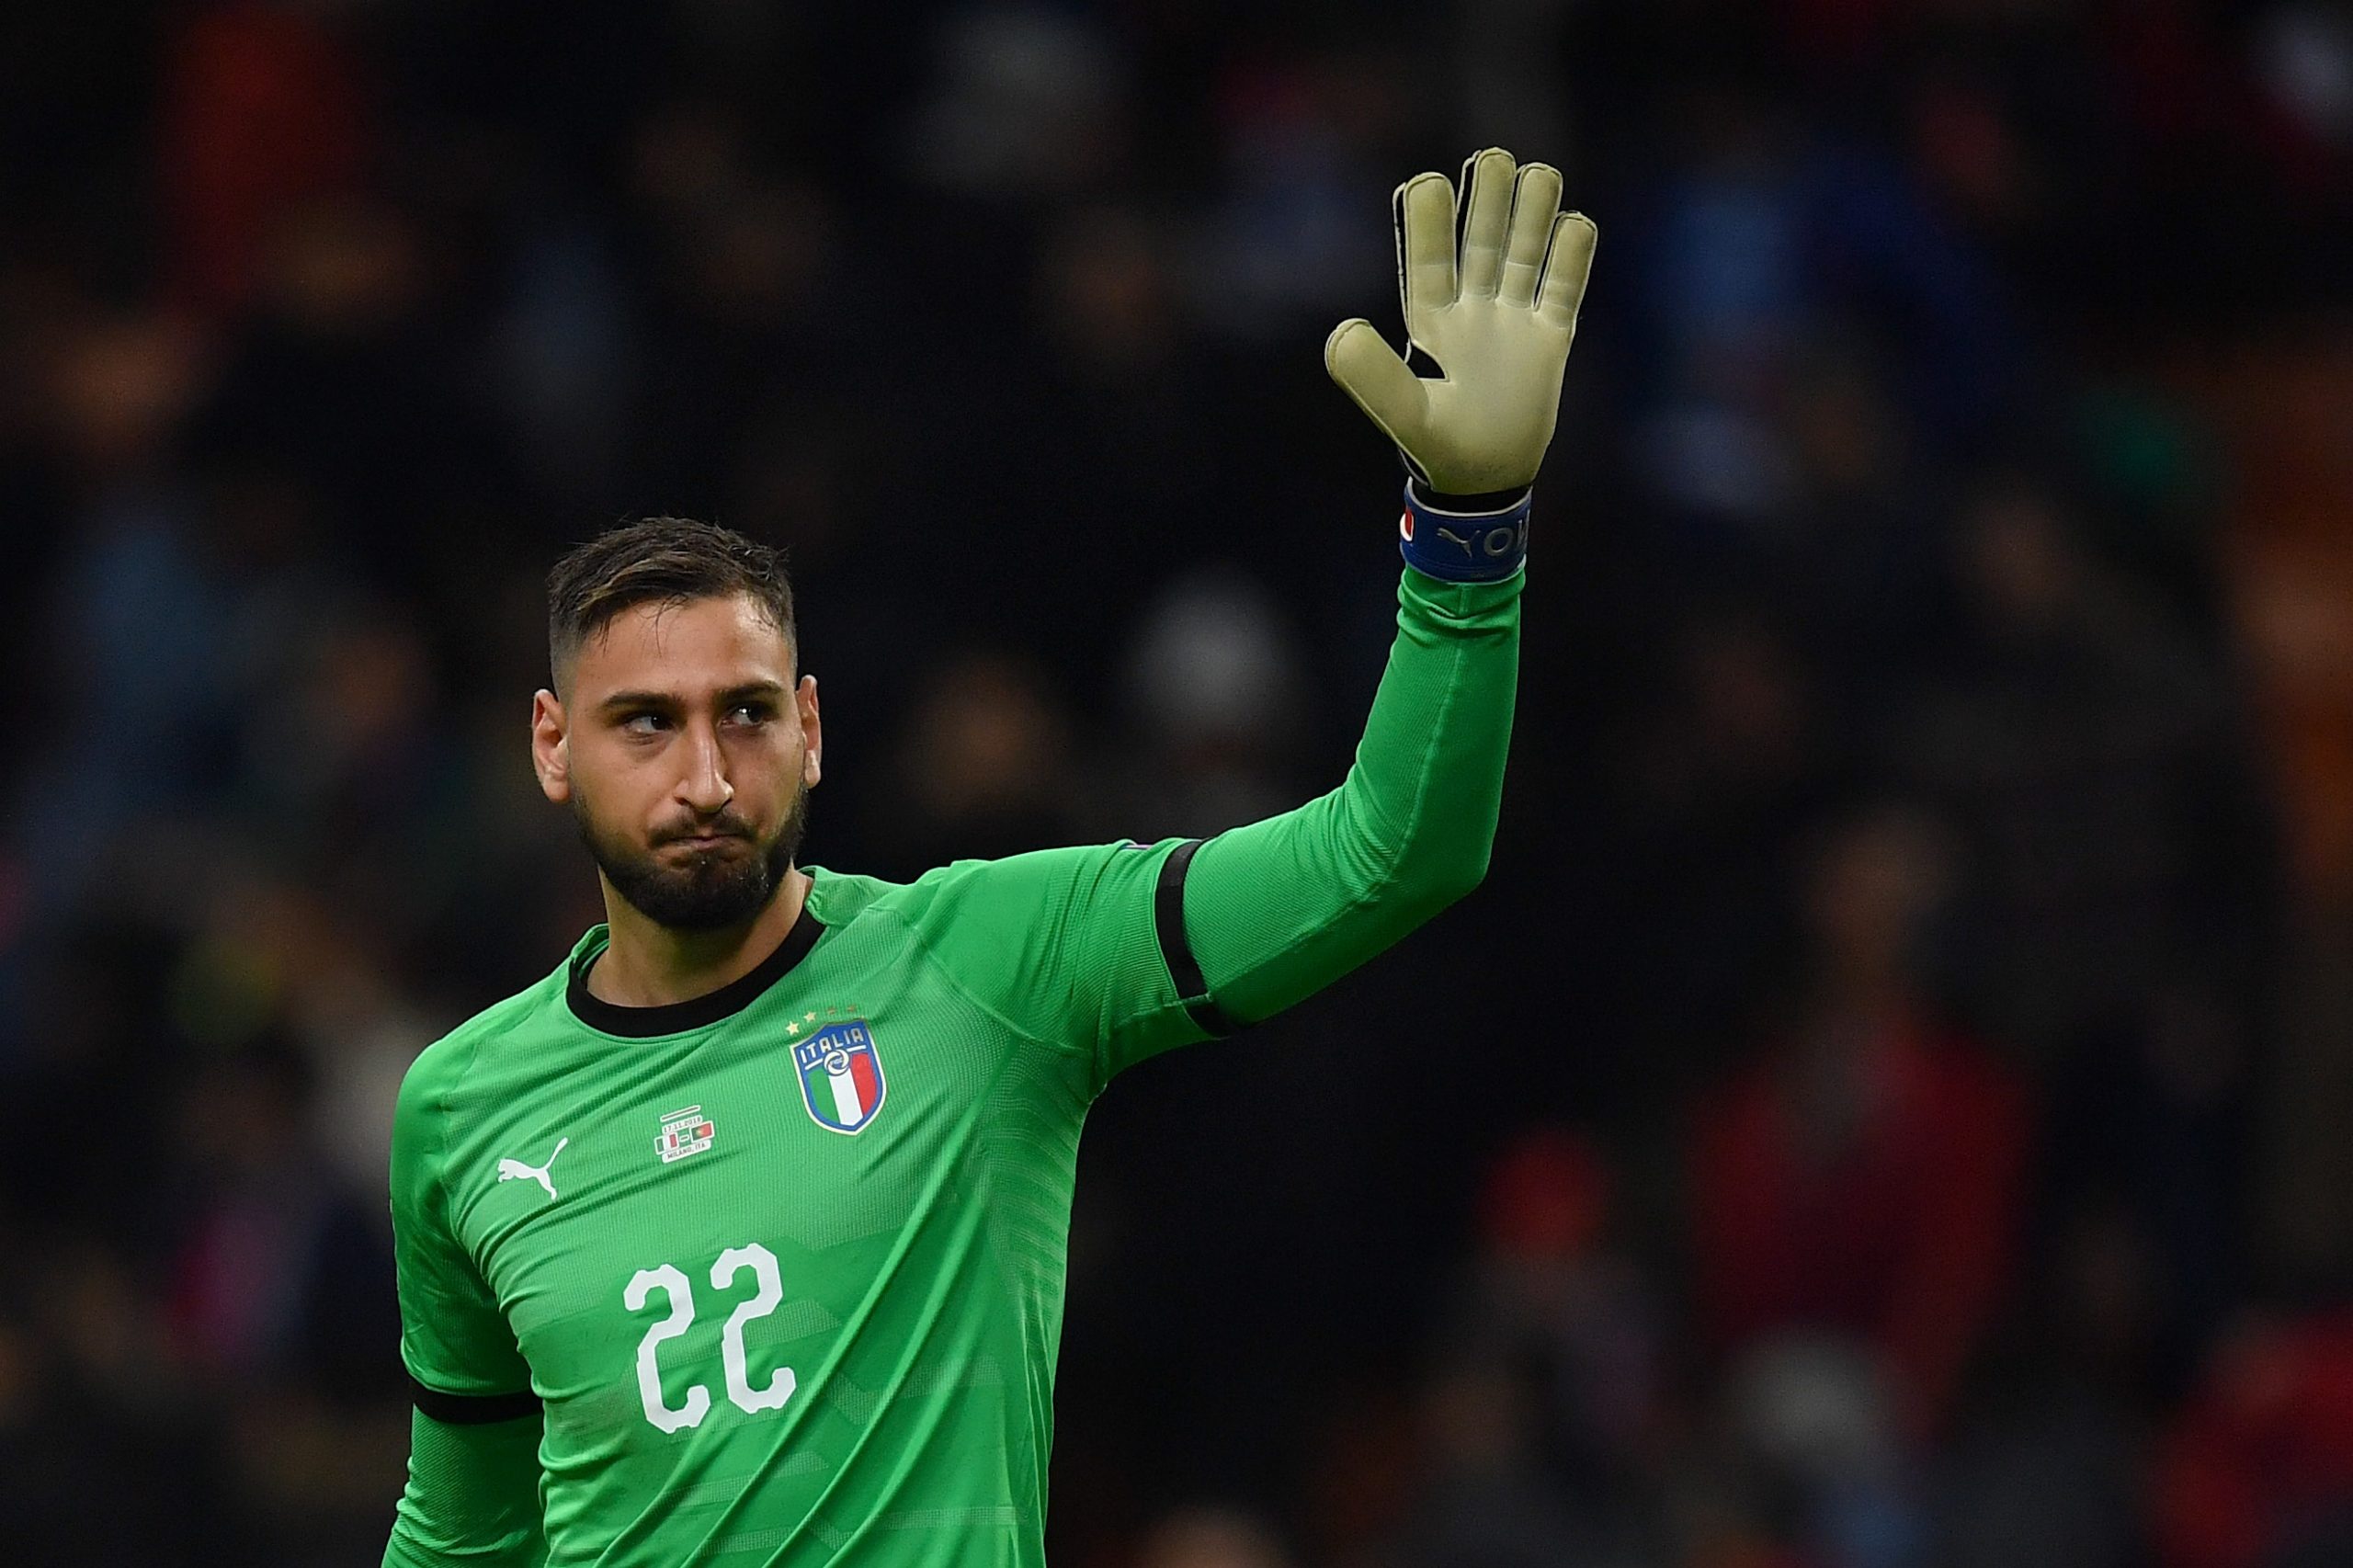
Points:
[(1176, 948), (473, 1409)]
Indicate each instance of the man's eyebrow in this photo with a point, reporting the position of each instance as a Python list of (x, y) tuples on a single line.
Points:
[(664, 700), (646, 699)]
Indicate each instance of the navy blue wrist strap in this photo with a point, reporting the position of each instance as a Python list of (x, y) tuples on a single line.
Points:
[(1470, 546)]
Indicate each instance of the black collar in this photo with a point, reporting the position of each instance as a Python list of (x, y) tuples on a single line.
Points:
[(696, 1012)]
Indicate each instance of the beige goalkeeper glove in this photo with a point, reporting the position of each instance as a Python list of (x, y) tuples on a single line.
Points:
[(1497, 326)]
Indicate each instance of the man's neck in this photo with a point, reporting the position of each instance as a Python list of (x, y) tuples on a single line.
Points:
[(649, 965)]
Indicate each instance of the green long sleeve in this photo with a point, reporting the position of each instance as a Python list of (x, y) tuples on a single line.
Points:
[(1086, 950), (1281, 908), (473, 1497)]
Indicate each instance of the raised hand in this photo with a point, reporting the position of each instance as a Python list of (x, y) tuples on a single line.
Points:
[(1498, 324)]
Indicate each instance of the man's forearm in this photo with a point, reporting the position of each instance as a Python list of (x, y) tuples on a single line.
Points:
[(1281, 908), (473, 1497)]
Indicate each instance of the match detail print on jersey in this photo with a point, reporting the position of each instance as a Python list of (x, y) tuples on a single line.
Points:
[(684, 1132), (841, 1076)]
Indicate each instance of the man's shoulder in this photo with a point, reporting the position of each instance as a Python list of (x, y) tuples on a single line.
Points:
[(839, 898), (439, 1068), (963, 888), (836, 898)]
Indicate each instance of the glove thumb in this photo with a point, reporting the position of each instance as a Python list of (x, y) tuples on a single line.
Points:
[(1368, 371)]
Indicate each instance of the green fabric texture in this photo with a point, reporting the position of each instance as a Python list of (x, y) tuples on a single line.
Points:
[(473, 1497), (790, 1302)]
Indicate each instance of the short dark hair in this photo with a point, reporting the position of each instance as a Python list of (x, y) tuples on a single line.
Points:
[(668, 561)]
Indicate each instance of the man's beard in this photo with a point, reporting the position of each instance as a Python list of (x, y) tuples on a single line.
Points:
[(705, 889)]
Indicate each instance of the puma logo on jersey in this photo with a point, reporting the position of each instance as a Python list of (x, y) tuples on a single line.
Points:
[(516, 1170)]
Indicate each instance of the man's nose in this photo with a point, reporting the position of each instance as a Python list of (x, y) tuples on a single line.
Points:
[(705, 785)]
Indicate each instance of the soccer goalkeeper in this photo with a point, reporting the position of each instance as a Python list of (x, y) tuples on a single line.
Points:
[(740, 1237)]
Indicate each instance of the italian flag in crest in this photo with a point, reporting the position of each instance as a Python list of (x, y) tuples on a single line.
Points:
[(841, 1075)]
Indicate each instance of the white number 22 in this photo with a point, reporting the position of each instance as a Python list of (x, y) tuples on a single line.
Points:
[(667, 1279)]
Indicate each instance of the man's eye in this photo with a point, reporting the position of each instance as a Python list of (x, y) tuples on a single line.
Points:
[(643, 723), (751, 713)]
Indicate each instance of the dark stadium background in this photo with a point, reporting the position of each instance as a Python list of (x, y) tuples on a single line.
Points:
[(1892, 1104)]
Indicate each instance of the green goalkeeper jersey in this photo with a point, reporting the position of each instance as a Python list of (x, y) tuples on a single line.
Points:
[(775, 1276)]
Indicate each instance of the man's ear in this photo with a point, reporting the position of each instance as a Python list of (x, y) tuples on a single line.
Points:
[(550, 747), (812, 732)]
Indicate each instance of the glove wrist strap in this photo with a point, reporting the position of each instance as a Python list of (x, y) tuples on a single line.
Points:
[(1464, 538)]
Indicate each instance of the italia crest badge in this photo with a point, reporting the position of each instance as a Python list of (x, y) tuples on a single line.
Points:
[(841, 1075)]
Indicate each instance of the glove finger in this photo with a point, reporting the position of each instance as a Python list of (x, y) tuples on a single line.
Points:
[(1486, 215), (1535, 202), (1574, 237), (1423, 208), (1368, 371)]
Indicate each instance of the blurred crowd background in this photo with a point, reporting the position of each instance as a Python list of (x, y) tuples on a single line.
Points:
[(1902, 1061)]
